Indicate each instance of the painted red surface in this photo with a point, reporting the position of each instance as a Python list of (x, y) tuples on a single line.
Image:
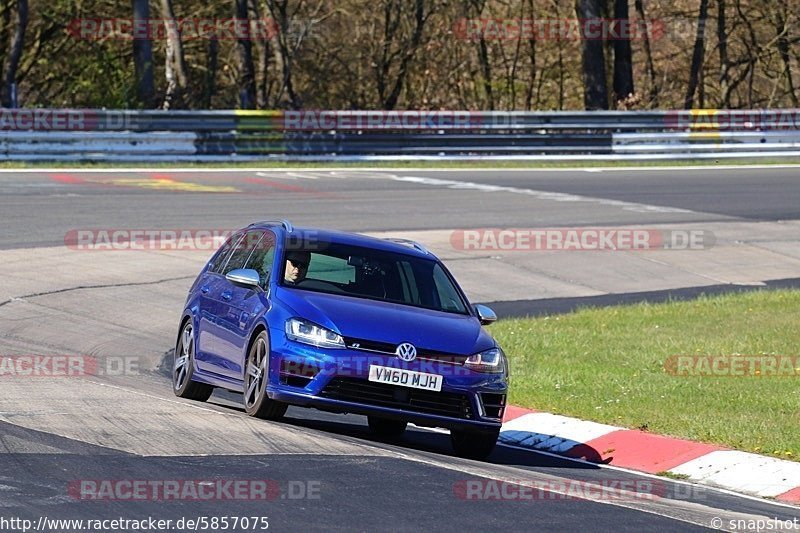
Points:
[(647, 452), (793, 496)]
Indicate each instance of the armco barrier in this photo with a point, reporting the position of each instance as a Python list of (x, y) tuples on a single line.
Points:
[(126, 135)]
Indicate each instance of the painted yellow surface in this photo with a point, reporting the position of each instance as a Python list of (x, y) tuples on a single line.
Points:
[(167, 184)]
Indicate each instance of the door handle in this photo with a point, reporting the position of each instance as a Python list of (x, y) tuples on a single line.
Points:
[(226, 295), (204, 289)]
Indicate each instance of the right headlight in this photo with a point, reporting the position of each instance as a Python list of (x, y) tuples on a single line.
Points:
[(307, 332), (492, 360)]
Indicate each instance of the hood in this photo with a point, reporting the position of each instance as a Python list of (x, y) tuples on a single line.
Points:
[(389, 322)]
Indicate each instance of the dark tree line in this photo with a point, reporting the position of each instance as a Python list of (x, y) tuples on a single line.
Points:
[(386, 54)]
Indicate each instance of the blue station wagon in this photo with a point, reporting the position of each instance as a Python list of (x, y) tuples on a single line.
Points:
[(344, 323)]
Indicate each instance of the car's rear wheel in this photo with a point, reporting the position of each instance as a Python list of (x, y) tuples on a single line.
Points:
[(256, 376), (473, 445), (387, 429), (183, 368)]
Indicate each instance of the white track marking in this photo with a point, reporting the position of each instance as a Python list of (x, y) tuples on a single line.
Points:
[(288, 175), (551, 432), (766, 476), (539, 195)]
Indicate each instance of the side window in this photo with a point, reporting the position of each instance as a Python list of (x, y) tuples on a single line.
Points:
[(262, 257), (409, 283), (329, 268), (242, 251), (449, 299), (222, 254)]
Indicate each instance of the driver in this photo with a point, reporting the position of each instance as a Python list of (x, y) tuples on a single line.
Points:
[(296, 267)]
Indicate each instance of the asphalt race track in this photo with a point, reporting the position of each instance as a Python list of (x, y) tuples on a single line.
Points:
[(120, 309)]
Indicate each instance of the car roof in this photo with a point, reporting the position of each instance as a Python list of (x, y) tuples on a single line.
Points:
[(402, 246)]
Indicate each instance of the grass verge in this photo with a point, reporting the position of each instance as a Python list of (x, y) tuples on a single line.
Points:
[(611, 365)]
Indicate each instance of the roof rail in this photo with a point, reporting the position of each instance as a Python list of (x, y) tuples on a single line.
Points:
[(283, 222), (409, 242)]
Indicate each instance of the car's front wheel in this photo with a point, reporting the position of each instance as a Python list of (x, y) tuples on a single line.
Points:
[(256, 401), (473, 445), (387, 429), (183, 368)]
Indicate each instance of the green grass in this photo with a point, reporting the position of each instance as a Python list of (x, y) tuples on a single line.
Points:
[(672, 475), (607, 365), (465, 165)]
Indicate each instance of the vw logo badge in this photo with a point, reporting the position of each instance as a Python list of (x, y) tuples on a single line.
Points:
[(406, 352)]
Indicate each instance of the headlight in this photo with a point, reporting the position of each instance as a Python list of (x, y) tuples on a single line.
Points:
[(309, 333), (493, 360)]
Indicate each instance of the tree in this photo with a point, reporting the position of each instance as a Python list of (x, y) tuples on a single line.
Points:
[(532, 64), (143, 57), (284, 53), (595, 95), (697, 56), (14, 55), (244, 56), (175, 71), (5, 23), (473, 10), (263, 51), (210, 86), (396, 52), (623, 57), (648, 53), (783, 39)]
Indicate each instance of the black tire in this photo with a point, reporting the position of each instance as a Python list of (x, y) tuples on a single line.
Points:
[(256, 376), (183, 368), (385, 428), (473, 445)]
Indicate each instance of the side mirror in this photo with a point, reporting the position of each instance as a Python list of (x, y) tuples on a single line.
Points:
[(485, 314), (246, 277)]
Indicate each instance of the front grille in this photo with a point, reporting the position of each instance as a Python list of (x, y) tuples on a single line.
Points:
[(297, 368), (389, 349), (295, 381), (370, 346), (493, 404), (297, 374), (379, 394)]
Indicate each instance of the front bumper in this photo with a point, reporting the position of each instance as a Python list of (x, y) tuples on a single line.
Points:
[(420, 419), (337, 381)]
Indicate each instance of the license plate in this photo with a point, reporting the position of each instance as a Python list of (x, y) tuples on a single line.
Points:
[(405, 378)]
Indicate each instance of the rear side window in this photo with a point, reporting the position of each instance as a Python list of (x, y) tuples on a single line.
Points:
[(242, 250), (223, 253), (262, 258)]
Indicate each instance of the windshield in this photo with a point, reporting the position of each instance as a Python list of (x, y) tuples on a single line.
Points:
[(374, 274)]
